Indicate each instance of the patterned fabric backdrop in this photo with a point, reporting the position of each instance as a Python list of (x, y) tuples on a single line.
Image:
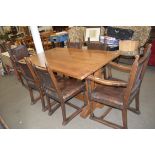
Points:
[(141, 33), (77, 33)]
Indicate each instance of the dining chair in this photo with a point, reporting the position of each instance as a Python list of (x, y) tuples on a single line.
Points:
[(46, 42), (33, 83), (74, 44), (17, 54), (28, 42), (94, 45), (61, 90), (119, 94)]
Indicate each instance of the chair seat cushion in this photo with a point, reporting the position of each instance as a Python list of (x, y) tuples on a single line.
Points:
[(108, 95), (68, 88)]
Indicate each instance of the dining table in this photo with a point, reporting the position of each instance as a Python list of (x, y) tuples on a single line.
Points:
[(75, 63)]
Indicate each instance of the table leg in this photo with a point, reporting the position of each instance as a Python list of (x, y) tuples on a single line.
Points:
[(86, 111)]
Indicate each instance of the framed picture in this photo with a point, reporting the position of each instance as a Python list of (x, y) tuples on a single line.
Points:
[(92, 33)]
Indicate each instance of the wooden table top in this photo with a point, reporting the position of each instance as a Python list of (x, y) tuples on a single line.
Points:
[(77, 63)]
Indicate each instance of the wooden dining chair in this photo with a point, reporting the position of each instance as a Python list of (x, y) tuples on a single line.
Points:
[(92, 45), (28, 42), (74, 44), (46, 42), (20, 52), (119, 94), (61, 90), (33, 83), (17, 54)]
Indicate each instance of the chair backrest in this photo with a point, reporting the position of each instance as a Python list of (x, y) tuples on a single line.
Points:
[(28, 42), (74, 45), (19, 52), (48, 79), (95, 46), (32, 71), (45, 41), (45, 37), (25, 71), (137, 73)]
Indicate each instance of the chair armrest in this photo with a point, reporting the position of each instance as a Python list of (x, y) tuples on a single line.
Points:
[(120, 67), (107, 82)]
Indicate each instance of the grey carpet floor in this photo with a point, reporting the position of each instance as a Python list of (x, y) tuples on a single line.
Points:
[(15, 108)]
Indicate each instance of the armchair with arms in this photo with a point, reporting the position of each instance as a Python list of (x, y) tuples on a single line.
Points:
[(119, 94)]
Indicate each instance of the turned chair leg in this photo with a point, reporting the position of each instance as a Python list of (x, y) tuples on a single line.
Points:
[(124, 118)]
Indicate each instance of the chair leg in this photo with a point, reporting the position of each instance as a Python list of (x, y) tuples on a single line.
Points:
[(102, 120), (31, 95), (44, 107), (54, 106), (136, 109), (33, 100), (124, 118), (48, 104), (106, 122), (63, 108), (19, 76), (67, 119), (21, 79)]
